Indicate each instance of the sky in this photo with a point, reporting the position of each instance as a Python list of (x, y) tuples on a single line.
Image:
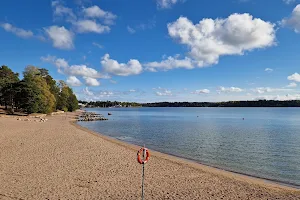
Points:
[(158, 50)]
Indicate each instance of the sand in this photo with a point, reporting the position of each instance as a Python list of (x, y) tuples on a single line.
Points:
[(58, 160)]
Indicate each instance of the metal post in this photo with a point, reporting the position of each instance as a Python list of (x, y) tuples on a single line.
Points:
[(143, 182), (143, 174)]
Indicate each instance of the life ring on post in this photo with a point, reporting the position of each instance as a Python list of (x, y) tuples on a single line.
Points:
[(141, 152)]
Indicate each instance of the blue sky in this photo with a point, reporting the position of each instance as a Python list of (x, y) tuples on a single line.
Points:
[(158, 50)]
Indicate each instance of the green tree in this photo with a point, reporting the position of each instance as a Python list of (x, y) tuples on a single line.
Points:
[(7, 81), (35, 93), (66, 100)]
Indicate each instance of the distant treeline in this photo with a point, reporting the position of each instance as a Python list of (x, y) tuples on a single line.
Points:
[(106, 104), (260, 103), (37, 92)]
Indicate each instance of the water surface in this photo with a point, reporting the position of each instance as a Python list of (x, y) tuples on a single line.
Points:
[(265, 144)]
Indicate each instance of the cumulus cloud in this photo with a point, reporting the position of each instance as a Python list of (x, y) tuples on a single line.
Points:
[(294, 77), (133, 67), (163, 4), (204, 91), (269, 70), (86, 26), (83, 70), (170, 63), (87, 92), (73, 81), (261, 90), (60, 11), (17, 31), (162, 92), (96, 12), (90, 75), (60, 36), (291, 85), (210, 39), (294, 20), (91, 81), (229, 89)]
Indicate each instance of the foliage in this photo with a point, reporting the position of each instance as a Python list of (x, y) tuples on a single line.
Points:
[(260, 103), (7, 81), (37, 92), (105, 104)]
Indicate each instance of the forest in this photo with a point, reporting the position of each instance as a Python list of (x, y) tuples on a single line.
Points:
[(106, 104), (260, 103), (36, 92)]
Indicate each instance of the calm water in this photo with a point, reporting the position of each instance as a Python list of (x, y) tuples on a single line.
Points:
[(266, 144)]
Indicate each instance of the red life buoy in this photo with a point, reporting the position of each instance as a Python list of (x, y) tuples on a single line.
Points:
[(140, 152)]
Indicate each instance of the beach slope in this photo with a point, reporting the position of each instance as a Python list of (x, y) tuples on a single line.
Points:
[(59, 160)]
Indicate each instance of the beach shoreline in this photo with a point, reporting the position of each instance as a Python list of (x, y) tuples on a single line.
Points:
[(59, 159), (191, 163)]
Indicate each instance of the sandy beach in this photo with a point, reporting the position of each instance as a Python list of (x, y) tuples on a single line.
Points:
[(59, 160)]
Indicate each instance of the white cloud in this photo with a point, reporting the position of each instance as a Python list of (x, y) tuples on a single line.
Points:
[(60, 11), (294, 20), (229, 89), (164, 93), (60, 36), (82, 70), (96, 12), (291, 85), (86, 26), (294, 77), (91, 81), (17, 31), (113, 81), (130, 30), (87, 92), (170, 63), (289, 1), (166, 3), (133, 67), (210, 39), (75, 70), (204, 91), (132, 90), (97, 45), (60, 63), (261, 90), (287, 97), (269, 70), (73, 81)]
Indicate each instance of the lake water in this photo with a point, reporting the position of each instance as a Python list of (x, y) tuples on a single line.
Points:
[(265, 144)]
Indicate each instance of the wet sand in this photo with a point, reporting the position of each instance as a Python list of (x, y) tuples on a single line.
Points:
[(58, 159)]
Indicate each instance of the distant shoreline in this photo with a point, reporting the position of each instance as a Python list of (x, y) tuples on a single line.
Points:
[(258, 103)]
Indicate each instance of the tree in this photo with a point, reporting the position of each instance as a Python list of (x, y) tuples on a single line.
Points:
[(35, 92), (7, 80), (54, 89), (66, 100), (72, 102)]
